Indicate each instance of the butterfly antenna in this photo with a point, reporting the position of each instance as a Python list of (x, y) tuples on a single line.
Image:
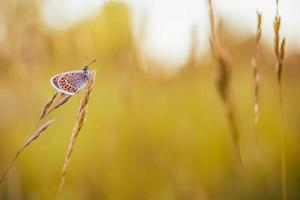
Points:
[(91, 62)]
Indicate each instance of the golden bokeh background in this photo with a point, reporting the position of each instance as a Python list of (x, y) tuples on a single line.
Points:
[(150, 134)]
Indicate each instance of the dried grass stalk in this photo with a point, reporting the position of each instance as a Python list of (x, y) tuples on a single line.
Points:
[(64, 99), (48, 104), (48, 108), (255, 68), (223, 78), (81, 114), (279, 49), (279, 45), (44, 113), (27, 143)]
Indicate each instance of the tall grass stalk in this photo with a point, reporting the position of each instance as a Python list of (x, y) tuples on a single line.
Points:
[(48, 108), (255, 71), (223, 79), (81, 115), (279, 49)]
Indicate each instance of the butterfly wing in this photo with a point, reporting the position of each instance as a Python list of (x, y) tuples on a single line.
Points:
[(54, 82), (72, 82), (69, 82)]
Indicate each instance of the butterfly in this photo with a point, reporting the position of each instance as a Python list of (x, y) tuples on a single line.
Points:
[(71, 82)]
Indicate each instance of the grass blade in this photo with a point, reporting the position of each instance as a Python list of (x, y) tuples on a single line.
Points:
[(77, 127), (27, 143)]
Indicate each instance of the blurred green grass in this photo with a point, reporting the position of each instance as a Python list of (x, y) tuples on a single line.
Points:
[(147, 136)]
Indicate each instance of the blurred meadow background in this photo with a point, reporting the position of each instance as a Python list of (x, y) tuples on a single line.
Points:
[(156, 127)]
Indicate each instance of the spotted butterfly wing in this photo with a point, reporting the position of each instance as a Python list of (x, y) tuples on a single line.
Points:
[(69, 82)]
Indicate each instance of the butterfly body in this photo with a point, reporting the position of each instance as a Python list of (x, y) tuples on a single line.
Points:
[(71, 82)]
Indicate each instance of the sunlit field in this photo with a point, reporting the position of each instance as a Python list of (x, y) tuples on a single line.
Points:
[(150, 133)]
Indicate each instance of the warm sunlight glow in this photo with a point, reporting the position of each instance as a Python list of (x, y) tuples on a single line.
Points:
[(169, 22)]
